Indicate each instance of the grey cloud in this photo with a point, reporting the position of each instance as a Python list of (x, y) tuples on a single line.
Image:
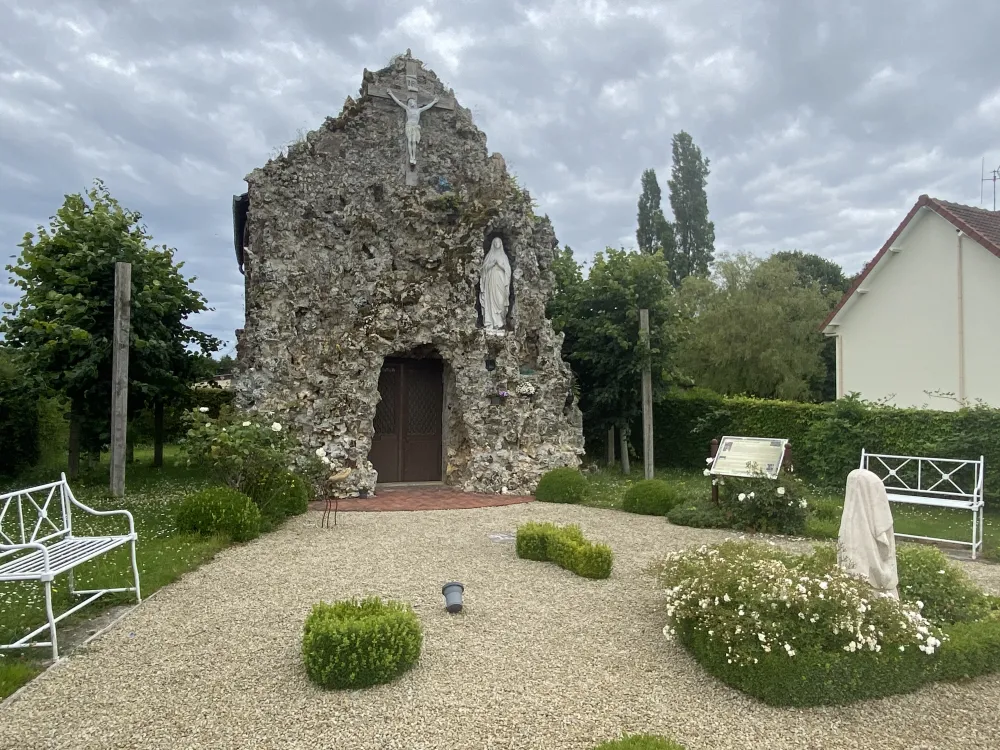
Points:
[(823, 121)]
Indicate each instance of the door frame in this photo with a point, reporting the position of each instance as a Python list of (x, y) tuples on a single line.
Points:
[(402, 365)]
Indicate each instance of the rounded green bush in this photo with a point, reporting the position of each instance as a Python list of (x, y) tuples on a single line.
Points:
[(651, 497), (360, 643), (699, 514), (563, 485), (220, 510), (278, 494), (640, 742)]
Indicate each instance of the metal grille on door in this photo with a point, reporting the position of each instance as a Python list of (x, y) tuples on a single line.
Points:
[(423, 403)]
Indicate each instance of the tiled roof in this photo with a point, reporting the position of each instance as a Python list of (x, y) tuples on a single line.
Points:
[(980, 224), (983, 221)]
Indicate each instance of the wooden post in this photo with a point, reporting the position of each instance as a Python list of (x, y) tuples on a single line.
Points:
[(158, 434), (786, 460), (712, 450), (623, 441), (611, 446), (119, 376), (647, 398)]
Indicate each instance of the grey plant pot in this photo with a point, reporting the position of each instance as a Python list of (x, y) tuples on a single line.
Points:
[(453, 596)]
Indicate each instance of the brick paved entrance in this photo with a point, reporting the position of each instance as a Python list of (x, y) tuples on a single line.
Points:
[(422, 497)]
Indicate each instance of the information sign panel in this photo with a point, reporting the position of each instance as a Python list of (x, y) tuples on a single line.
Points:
[(747, 456)]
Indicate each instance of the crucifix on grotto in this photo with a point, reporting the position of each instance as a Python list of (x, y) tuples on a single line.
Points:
[(408, 98)]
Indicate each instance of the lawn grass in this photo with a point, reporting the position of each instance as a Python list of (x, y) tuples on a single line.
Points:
[(163, 555), (607, 489)]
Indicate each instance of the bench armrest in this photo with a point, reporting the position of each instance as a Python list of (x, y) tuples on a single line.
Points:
[(94, 511), (33, 546)]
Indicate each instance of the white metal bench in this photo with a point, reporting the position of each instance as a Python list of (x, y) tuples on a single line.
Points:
[(938, 482), (37, 544)]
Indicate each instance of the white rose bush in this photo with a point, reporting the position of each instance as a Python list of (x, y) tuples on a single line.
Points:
[(797, 630), (258, 456), (760, 504)]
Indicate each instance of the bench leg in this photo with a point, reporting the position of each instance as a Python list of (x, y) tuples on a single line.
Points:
[(70, 576), (52, 620), (135, 573)]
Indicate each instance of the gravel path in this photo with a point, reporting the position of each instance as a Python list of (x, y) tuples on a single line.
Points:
[(540, 659)]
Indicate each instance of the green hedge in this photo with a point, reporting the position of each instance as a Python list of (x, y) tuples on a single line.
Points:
[(833, 678), (826, 439), (566, 547), (360, 643)]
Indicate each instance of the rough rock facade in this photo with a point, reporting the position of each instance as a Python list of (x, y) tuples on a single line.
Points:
[(364, 326)]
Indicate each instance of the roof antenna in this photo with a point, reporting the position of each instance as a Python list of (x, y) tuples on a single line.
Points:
[(994, 176)]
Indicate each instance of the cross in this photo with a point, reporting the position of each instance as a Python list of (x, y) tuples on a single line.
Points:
[(412, 111)]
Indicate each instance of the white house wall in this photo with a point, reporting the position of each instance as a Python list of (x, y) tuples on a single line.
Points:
[(982, 318), (900, 339)]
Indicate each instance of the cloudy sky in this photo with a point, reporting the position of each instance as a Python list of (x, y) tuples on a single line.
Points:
[(823, 121)]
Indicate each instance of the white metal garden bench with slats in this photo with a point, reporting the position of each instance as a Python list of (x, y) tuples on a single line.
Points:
[(937, 482), (37, 544)]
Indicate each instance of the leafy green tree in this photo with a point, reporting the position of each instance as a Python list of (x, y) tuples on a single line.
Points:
[(693, 232), (64, 320), (815, 269), (830, 278), (599, 316), (654, 231), (753, 331)]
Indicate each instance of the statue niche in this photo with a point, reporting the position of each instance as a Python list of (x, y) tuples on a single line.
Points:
[(494, 287)]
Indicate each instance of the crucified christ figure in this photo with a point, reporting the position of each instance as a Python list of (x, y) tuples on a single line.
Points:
[(412, 123)]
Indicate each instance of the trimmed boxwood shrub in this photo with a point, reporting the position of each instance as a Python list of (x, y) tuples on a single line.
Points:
[(699, 514), (562, 485), (360, 643), (651, 497), (278, 494), (800, 654), (566, 547), (640, 742), (220, 510)]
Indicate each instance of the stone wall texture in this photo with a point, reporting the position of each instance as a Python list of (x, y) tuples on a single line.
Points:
[(347, 264)]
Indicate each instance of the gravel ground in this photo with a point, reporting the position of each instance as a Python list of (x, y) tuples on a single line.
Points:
[(540, 658)]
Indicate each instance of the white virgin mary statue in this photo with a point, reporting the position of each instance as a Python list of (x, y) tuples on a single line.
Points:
[(494, 286)]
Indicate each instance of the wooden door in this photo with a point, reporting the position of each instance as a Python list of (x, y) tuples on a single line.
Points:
[(408, 425)]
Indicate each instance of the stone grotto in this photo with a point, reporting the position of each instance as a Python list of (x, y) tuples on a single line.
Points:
[(396, 279)]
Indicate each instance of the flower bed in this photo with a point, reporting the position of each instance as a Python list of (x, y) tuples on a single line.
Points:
[(797, 630)]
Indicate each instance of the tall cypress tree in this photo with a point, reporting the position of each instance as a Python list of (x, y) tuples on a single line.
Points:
[(694, 234), (654, 231)]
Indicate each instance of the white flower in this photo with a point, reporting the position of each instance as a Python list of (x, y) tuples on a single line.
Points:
[(203, 409), (246, 424), (920, 605), (802, 503), (276, 427), (707, 473), (709, 460), (781, 490), (751, 496), (741, 497), (321, 452), (941, 572), (823, 585)]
